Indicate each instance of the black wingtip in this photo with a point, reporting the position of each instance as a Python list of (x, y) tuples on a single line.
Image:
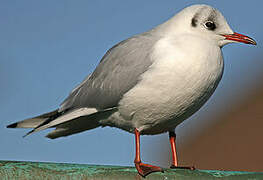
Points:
[(14, 125), (28, 133)]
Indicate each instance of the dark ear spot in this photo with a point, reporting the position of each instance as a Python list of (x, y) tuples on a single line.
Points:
[(194, 22)]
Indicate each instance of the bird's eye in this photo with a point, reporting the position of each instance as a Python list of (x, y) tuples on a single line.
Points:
[(210, 25)]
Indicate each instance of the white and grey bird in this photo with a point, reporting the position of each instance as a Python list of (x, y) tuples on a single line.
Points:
[(149, 83)]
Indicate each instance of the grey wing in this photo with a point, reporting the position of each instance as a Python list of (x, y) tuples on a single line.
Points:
[(118, 71)]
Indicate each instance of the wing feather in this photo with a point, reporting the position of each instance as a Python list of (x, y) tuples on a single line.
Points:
[(64, 118), (118, 71)]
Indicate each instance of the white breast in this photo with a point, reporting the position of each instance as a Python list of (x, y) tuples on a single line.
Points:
[(183, 76)]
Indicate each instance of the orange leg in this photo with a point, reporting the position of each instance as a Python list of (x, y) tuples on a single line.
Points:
[(172, 137), (143, 169)]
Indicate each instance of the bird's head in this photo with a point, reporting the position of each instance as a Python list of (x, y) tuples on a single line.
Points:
[(204, 20)]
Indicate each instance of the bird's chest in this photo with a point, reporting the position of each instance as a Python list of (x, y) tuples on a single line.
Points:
[(175, 86)]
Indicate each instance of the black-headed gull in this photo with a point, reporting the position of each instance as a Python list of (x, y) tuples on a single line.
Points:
[(149, 83)]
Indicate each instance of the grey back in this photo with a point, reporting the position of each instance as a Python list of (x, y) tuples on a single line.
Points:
[(118, 71)]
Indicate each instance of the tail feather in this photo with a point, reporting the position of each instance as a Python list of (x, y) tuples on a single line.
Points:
[(74, 126), (80, 124), (35, 121), (66, 123), (81, 112)]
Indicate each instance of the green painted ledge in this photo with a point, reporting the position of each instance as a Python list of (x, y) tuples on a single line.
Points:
[(12, 170)]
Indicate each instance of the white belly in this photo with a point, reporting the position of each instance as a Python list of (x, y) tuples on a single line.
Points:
[(178, 83)]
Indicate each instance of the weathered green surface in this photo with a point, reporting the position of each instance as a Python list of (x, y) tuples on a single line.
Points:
[(12, 170)]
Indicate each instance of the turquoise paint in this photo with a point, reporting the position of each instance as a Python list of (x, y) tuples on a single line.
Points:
[(56, 171)]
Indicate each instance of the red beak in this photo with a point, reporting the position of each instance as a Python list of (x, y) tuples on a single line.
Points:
[(240, 38)]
